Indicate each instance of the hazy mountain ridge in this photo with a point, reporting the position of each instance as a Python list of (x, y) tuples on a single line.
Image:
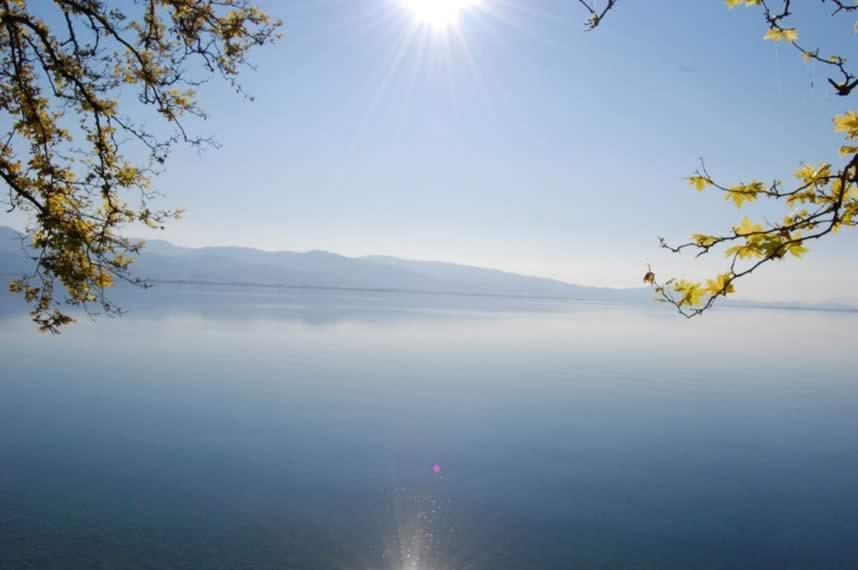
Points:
[(164, 261), (9, 239)]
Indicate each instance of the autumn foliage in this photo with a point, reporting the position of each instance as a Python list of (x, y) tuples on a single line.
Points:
[(76, 155), (821, 200)]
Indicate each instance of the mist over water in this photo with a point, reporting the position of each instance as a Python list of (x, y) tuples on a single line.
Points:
[(217, 427)]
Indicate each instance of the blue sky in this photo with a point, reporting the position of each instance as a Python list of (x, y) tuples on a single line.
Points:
[(520, 142)]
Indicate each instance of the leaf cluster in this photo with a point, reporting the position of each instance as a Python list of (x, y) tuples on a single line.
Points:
[(66, 154), (822, 201)]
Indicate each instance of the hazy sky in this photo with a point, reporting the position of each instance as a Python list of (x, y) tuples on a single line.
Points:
[(517, 141)]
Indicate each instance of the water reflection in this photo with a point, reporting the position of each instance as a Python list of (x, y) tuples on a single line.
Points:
[(312, 306), (223, 428)]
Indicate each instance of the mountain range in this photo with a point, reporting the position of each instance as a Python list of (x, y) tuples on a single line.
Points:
[(162, 261)]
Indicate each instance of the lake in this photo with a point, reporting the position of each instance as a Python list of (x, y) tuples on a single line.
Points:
[(253, 428)]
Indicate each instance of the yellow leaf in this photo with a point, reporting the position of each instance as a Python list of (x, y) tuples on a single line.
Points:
[(703, 240), (747, 227), (104, 280), (808, 174), (777, 34), (744, 251), (698, 182), (847, 123), (721, 285), (692, 293), (741, 193), (797, 249), (774, 34)]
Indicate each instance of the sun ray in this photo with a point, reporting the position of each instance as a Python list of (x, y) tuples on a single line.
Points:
[(440, 15)]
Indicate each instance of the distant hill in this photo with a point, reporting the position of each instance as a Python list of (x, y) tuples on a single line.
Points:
[(13, 261), (163, 261), (9, 239)]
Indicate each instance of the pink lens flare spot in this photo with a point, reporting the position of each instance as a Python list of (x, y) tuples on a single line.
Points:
[(436, 469)]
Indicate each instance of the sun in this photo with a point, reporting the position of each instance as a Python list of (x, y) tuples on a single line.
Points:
[(439, 14)]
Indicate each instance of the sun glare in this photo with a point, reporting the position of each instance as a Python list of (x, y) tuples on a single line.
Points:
[(439, 14)]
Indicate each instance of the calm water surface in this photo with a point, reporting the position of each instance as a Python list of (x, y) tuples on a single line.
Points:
[(229, 428)]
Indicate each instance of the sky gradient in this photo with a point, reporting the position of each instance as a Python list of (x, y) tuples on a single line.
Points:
[(517, 141)]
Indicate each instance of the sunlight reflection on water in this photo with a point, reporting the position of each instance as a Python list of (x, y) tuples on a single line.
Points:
[(225, 429)]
